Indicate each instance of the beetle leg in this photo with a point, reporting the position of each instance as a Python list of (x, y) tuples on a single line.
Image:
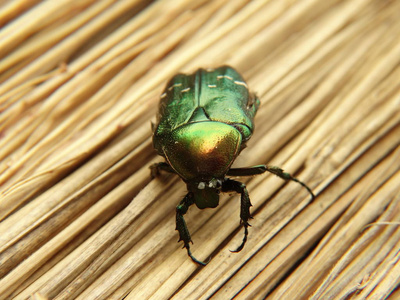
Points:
[(157, 167), (181, 226), (260, 169), (230, 185)]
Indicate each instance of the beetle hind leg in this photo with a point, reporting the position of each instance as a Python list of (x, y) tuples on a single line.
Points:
[(181, 226), (245, 204)]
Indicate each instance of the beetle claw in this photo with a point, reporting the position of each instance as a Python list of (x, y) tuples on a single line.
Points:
[(246, 232), (195, 259)]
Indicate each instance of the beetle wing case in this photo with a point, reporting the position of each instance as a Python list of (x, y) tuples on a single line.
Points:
[(219, 95)]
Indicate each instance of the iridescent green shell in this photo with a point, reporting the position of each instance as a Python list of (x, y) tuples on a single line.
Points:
[(204, 121)]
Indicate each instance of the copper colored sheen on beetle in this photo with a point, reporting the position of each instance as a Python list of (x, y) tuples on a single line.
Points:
[(203, 124)]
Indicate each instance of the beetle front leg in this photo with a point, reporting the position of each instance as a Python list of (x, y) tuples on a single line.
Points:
[(181, 226), (260, 169), (230, 185)]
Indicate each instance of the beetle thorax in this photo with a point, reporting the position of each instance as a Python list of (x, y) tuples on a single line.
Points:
[(203, 151)]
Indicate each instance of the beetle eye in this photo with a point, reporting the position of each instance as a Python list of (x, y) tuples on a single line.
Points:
[(201, 186), (215, 184)]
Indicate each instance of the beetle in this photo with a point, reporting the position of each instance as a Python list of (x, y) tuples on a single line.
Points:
[(203, 123)]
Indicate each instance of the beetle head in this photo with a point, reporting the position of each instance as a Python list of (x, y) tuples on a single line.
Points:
[(205, 194)]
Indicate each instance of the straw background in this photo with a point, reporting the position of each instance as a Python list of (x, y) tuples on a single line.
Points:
[(80, 216)]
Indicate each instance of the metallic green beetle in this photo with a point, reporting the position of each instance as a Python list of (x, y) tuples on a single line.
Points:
[(204, 121)]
